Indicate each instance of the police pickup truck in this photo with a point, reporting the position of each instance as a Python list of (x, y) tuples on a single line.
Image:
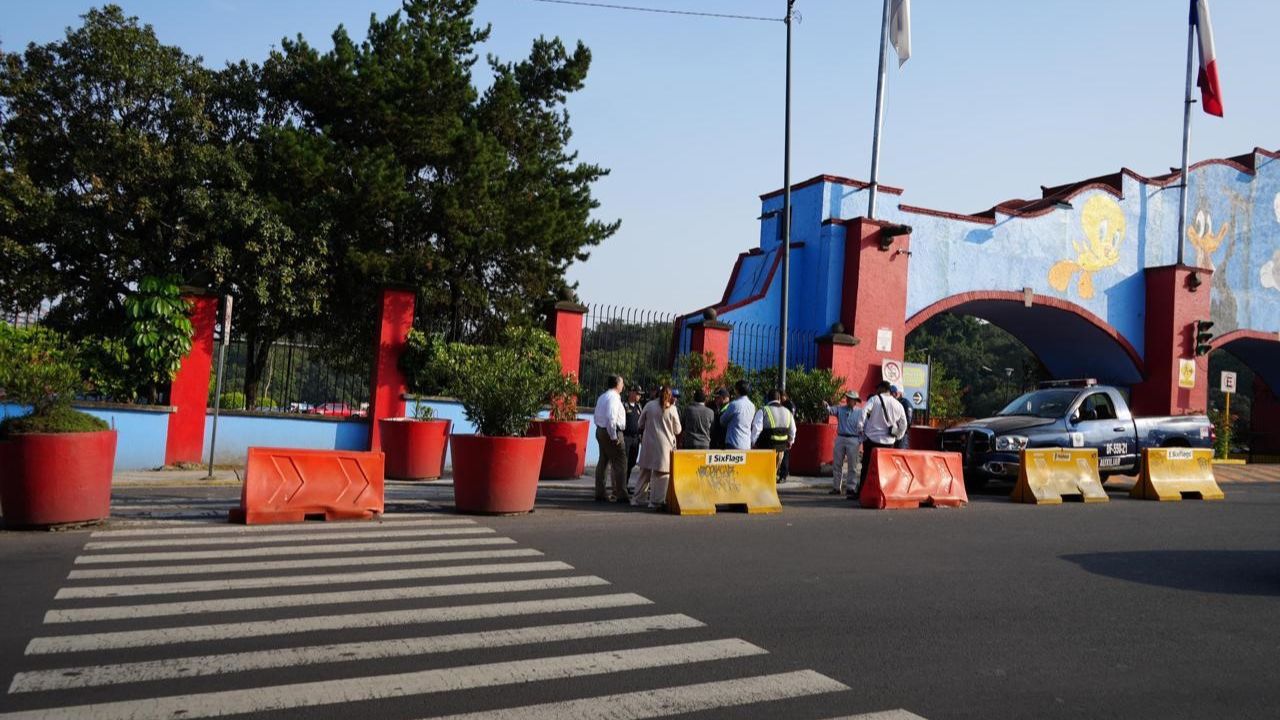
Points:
[(1068, 414)]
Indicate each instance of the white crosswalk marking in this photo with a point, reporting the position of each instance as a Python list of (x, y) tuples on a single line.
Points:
[(263, 566), (197, 586), (665, 702), (288, 626), (228, 529), (95, 675), (343, 548), (199, 607), (434, 529), (363, 689), (510, 637)]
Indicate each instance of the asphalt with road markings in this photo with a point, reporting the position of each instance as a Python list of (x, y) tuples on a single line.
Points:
[(1123, 609)]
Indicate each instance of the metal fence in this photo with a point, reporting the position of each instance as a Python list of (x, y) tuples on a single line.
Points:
[(755, 346), (625, 341), (298, 377)]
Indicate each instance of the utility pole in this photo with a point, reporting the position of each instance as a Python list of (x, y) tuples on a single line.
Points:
[(786, 215)]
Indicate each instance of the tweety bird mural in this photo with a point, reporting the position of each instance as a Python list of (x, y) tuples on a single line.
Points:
[(1205, 240), (1104, 226)]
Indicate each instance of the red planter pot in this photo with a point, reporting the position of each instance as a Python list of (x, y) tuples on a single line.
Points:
[(566, 452), (496, 475), (814, 446), (414, 449), (56, 478)]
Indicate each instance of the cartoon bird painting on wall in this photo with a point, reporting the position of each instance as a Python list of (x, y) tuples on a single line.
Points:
[(1205, 240), (1104, 226)]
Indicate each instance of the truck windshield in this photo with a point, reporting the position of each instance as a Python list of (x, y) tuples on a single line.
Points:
[(1042, 403)]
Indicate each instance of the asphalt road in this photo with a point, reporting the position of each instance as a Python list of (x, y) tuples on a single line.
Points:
[(1129, 610)]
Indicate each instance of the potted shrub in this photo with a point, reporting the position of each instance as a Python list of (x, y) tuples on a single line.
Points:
[(501, 388), (565, 455), (414, 448), (55, 462), (812, 391)]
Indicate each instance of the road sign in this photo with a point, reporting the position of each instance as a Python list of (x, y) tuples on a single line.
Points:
[(1186, 373), (915, 384), (1228, 381), (891, 371)]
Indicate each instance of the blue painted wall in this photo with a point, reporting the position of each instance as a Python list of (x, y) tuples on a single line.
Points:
[(1090, 252), (451, 410), (140, 436), (236, 433)]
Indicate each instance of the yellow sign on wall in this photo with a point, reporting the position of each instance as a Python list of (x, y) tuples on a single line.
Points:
[(1186, 373), (703, 479)]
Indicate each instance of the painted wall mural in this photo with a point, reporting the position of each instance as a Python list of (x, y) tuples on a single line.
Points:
[(1204, 239), (1104, 226)]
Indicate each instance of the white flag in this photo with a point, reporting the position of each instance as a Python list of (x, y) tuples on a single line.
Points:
[(900, 29)]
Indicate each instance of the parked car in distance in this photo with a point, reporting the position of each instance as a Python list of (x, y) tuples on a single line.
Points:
[(300, 407), (332, 409), (1068, 414)]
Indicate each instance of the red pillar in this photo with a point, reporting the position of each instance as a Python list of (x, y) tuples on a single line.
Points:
[(389, 387), (189, 391), (711, 336), (1173, 303), (565, 324), (835, 353), (1264, 419), (874, 299)]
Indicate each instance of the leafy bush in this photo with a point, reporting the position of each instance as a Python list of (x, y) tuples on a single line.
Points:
[(564, 399), (159, 332), (425, 363), (232, 401), (423, 411), (502, 386), (1222, 430), (38, 367), (812, 391)]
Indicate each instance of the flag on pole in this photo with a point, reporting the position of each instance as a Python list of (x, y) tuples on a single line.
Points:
[(900, 29), (1210, 88)]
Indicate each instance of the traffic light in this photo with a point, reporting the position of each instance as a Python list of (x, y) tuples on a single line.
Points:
[(1203, 336)]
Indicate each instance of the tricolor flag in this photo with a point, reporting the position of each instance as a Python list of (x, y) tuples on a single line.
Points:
[(900, 29), (1210, 88)]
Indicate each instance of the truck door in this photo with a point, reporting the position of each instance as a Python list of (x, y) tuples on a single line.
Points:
[(1094, 424)]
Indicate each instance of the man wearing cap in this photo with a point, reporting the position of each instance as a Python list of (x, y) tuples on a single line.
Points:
[(910, 410), (848, 441), (884, 422), (774, 428), (631, 434)]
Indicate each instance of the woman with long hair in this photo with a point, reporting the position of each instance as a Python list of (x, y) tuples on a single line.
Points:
[(659, 426)]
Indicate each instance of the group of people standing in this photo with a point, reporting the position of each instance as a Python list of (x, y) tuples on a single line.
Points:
[(633, 435)]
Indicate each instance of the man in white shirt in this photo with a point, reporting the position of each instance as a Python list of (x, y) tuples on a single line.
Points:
[(610, 421), (884, 422)]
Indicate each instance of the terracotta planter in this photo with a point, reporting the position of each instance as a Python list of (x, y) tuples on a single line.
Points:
[(814, 446), (566, 452), (496, 475), (923, 437), (414, 449), (56, 478)]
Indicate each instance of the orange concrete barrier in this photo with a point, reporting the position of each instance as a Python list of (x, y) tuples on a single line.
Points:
[(284, 485), (911, 478)]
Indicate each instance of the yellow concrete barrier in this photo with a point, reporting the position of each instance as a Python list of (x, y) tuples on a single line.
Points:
[(703, 479), (1048, 474), (1171, 473)]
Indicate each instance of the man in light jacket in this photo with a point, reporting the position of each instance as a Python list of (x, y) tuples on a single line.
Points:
[(884, 422), (737, 417)]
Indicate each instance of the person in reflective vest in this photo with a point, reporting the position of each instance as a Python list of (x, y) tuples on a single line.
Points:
[(774, 428)]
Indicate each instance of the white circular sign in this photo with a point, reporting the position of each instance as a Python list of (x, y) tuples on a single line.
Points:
[(891, 371)]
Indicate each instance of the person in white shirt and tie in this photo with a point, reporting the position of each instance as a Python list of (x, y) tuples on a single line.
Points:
[(611, 421), (884, 422)]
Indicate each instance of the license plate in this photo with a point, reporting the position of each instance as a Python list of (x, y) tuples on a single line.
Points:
[(1116, 449)]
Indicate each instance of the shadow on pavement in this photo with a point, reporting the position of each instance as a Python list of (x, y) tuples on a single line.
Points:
[(1227, 572)]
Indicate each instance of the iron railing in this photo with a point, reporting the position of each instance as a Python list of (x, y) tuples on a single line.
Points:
[(755, 346), (625, 341), (298, 377)]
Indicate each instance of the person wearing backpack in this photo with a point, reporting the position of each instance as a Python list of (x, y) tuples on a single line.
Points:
[(884, 422)]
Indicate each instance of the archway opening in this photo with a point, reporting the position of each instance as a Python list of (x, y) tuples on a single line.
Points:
[(1255, 408), (994, 334)]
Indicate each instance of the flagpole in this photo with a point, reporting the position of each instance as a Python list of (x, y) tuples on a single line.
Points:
[(879, 121), (1186, 138), (786, 218)]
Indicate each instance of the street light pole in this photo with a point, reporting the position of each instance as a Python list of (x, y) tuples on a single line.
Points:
[(786, 215)]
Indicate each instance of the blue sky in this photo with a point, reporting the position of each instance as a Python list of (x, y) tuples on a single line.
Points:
[(999, 97)]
